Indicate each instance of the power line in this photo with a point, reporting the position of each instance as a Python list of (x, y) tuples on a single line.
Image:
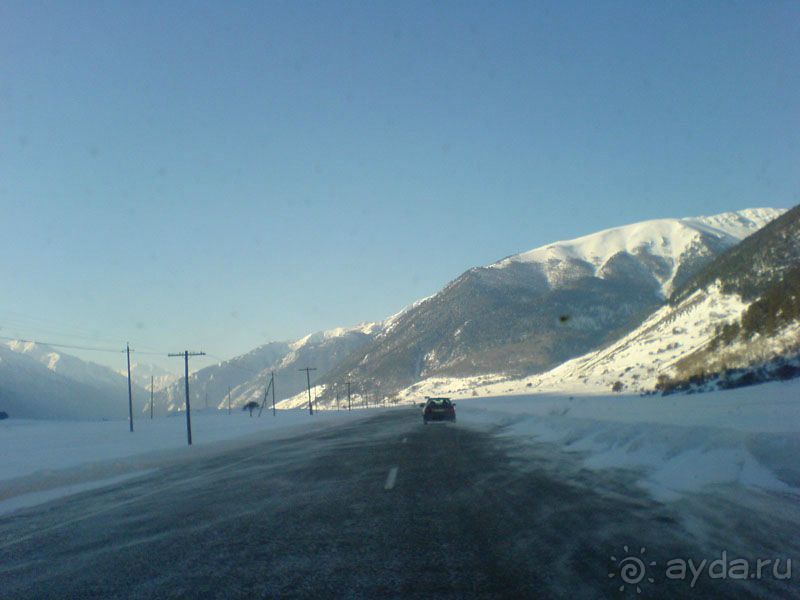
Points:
[(76, 347), (58, 345), (18, 320), (150, 353), (15, 320)]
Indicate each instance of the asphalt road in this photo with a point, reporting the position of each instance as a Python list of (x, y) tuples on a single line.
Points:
[(385, 507)]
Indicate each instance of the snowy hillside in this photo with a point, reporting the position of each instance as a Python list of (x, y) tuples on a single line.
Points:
[(636, 360), (651, 350)]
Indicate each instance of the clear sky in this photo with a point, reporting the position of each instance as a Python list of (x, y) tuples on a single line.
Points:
[(215, 175)]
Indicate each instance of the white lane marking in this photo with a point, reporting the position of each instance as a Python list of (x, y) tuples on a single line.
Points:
[(405, 440), (391, 479)]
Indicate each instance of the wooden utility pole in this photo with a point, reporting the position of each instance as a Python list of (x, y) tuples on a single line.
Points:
[(151, 397), (130, 388), (308, 382), (348, 395), (272, 375), (186, 354), (337, 396), (264, 401)]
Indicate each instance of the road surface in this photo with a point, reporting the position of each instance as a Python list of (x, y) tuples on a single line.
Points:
[(382, 507)]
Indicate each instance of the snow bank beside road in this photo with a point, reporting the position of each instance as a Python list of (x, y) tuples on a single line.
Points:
[(748, 436), (771, 407)]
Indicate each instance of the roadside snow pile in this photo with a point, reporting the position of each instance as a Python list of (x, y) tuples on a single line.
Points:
[(679, 444)]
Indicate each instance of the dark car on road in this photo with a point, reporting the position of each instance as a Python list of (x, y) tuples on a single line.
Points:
[(438, 409)]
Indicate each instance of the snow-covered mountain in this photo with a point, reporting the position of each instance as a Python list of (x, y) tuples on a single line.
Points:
[(67, 365), (741, 311), (533, 311), (37, 381), (141, 374), (666, 250), (247, 375)]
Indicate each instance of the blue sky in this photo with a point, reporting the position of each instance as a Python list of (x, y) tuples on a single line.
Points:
[(219, 175)]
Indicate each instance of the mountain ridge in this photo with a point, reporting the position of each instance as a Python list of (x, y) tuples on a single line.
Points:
[(525, 314)]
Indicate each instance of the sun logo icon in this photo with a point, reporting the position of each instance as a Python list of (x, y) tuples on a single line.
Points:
[(631, 569)]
